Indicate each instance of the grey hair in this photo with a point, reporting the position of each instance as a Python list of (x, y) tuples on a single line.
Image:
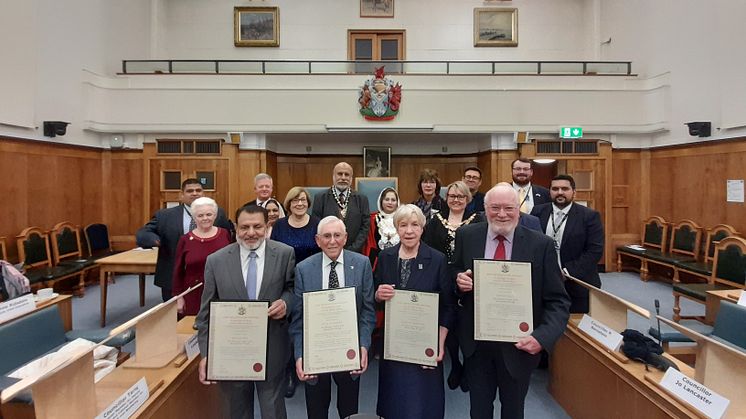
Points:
[(461, 187), (262, 176), (202, 202), (500, 186), (408, 211), (328, 220)]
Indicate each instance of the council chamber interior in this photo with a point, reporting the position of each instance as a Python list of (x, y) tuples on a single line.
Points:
[(109, 106)]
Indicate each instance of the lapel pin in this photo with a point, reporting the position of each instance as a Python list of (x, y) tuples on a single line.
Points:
[(420, 266), (352, 267)]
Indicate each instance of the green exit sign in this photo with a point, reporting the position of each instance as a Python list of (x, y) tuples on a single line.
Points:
[(571, 132)]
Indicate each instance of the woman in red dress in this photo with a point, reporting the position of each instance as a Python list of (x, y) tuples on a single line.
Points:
[(192, 252)]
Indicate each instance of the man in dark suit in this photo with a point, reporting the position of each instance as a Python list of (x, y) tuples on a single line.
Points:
[(254, 268), (166, 228), (333, 267), (349, 206), (473, 179), (578, 235), (264, 191), (504, 366), (529, 195)]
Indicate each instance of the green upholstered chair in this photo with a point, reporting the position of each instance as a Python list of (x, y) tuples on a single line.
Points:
[(371, 188), (67, 251), (313, 193), (654, 238), (728, 272), (33, 251), (703, 268), (684, 247)]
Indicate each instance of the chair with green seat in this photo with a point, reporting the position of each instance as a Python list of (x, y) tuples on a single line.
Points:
[(33, 252), (98, 241), (728, 272), (67, 251), (654, 239), (703, 268), (686, 236)]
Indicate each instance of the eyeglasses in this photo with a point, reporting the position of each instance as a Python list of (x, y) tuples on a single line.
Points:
[(497, 208), (521, 169), (298, 200), (456, 197), (329, 236), (470, 177)]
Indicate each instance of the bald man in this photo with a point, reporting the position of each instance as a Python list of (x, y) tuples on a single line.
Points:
[(347, 205)]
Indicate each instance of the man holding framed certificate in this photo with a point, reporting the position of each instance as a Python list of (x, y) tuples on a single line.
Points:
[(243, 280), (337, 287), (496, 362)]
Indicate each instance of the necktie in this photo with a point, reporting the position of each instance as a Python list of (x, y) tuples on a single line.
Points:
[(251, 276), (500, 249), (523, 200), (333, 279), (192, 224)]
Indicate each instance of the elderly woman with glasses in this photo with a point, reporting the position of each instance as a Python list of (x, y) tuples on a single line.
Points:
[(409, 390), (192, 252), (440, 234)]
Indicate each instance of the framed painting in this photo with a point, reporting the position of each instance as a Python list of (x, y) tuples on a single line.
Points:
[(377, 161), (495, 27), (256, 26), (376, 8)]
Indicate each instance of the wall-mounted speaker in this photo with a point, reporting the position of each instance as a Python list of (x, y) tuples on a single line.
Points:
[(55, 128), (116, 141), (700, 129)]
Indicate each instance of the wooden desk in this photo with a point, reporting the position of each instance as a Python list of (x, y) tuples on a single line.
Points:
[(588, 382), (712, 303), (136, 261), (64, 305)]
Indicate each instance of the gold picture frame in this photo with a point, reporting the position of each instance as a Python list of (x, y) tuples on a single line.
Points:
[(256, 26), (377, 8), (495, 27)]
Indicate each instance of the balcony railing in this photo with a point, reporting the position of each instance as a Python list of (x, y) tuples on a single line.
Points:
[(577, 68)]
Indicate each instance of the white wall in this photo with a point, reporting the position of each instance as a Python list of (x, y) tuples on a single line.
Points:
[(53, 45), (317, 29), (699, 44)]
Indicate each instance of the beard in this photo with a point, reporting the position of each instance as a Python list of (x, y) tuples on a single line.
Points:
[(562, 204), (503, 228), (246, 246)]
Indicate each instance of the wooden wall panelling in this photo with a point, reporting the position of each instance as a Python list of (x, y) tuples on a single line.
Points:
[(188, 167), (123, 195), (250, 163)]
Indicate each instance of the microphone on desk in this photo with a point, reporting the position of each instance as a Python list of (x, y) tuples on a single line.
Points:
[(658, 313)]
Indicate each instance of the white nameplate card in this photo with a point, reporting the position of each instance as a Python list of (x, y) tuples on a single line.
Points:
[(605, 335), (128, 403), (17, 307), (191, 346), (742, 300), (695, 394)]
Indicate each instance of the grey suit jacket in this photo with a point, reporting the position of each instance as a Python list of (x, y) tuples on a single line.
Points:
[(358, 274), (357, 221), (167, 227), (224, 281)]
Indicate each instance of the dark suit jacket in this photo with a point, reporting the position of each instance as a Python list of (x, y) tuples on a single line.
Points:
[(429, 273), (541, 194), (224, 280), (531, 222), (550, 301), (358, 274), (167, 226), (476, 204), (357, 220), (581, 248)]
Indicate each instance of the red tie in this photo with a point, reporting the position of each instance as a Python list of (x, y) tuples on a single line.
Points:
[(500, 250)]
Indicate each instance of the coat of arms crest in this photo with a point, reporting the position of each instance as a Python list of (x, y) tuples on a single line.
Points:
[(379, 97)]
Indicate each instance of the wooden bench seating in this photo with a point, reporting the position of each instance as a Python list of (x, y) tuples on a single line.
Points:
[(703, 268), (654, 237), (728, 272)]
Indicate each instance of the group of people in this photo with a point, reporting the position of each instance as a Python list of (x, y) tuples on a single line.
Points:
[(428, 245)]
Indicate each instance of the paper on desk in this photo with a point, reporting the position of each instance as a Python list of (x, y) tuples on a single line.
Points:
[(140, 249), (635, 246), (104, 360)]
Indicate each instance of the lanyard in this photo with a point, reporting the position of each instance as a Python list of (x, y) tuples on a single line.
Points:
[(528, 193), (557, 228)]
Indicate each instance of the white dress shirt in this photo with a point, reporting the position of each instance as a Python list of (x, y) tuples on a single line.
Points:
[(560, 228), (326, 267), (260, 252), (186, 220), (529, 195)]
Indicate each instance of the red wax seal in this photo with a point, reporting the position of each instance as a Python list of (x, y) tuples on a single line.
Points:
[(351, 354), (258, 367), (429, 352), (523, 326)]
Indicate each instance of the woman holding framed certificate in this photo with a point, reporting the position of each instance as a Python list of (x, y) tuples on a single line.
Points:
[(413, 281)]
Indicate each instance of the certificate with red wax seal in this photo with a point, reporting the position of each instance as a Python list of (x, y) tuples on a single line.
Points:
[(237, 341), (503, 305), (330, 336), (411, 328)]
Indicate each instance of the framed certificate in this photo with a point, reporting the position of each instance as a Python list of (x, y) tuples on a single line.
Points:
[(411, 328), (237, 341), (503, 305), (330, 336)]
